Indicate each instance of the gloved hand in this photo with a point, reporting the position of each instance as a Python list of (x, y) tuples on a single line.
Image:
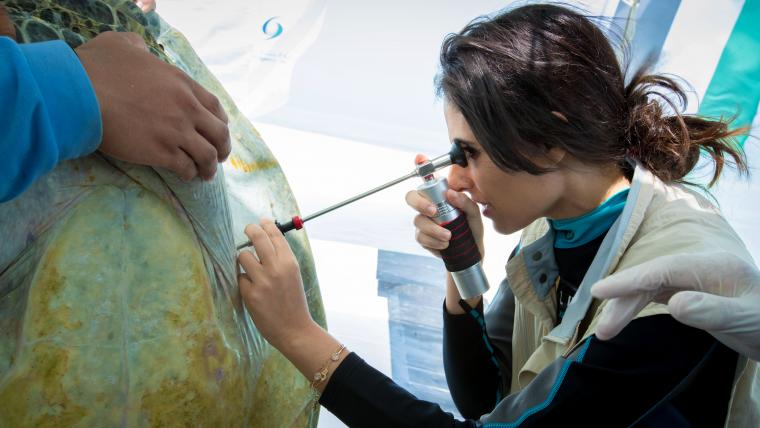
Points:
[(717, 292)]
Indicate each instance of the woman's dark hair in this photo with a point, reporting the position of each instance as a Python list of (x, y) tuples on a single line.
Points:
[(544, 76)]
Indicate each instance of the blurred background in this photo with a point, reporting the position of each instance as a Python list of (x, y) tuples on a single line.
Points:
[(342, 93)]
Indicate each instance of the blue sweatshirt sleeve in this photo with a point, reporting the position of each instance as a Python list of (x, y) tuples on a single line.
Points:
[(49, 110)]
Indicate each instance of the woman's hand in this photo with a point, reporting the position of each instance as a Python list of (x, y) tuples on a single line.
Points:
[(435, 238), (272, 288)]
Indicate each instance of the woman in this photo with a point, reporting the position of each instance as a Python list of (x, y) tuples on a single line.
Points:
[(559, 146)]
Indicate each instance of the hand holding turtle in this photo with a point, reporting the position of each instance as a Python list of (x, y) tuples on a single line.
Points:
[(153, 113), (6, 26)]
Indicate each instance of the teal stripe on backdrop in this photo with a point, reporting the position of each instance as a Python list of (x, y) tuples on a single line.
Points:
[(736, 82)]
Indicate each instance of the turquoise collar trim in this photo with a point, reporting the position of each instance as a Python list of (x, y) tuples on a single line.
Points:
[(576, 231)]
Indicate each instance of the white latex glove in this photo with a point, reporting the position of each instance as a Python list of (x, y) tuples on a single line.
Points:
[(717, 292)]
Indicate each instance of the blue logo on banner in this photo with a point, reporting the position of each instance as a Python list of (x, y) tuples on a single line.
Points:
[(271, 28)]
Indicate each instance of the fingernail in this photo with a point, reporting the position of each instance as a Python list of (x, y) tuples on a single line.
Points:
[(431, 210)]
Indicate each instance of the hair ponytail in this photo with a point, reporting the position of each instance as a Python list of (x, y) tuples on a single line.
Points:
[(668, 143)]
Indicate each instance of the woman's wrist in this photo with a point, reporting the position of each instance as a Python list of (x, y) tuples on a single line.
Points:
[(453, 297), (310, 349)]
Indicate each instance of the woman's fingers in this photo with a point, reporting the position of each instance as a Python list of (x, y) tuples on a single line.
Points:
[(244, 283), (428, 227), (461, 201), (429, 234), (249, 262), (279, 243), (429, 243), (261, 242), (419, 203)]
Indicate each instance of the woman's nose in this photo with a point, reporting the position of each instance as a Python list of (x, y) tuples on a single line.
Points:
[(459, 178)]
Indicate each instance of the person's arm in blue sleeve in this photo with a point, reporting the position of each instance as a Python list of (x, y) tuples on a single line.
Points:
[(49, 108)]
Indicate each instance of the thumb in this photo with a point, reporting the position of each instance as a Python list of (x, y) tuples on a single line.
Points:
[(625, 283), (462, 202), (702, 310), (420, 159), (617, 314), (6, 25)]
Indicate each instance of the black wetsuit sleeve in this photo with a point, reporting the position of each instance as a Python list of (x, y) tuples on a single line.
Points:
[(361, 396), (620, 380), (631, 380), (471, 370)]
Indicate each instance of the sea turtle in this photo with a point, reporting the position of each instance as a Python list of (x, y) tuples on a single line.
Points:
[(118, 292)]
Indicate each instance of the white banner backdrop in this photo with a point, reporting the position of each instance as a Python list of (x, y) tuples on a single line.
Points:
[(357, 70), (251, 46)]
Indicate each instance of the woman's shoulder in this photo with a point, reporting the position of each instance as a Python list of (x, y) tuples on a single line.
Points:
[(676, 199), (683, 210), (680, 219)]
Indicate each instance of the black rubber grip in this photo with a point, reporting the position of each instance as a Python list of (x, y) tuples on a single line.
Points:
[(462, 251), (284, 228)]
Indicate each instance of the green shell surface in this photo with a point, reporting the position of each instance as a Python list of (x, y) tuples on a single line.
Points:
[(118, 295)]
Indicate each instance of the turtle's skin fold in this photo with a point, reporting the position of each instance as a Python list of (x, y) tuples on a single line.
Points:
[(118, 293)]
